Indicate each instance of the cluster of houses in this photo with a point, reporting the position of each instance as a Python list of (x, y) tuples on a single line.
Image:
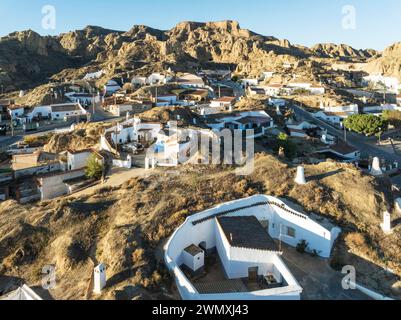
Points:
[(337, 114), (254, 87), (39, 175), (391, 84)]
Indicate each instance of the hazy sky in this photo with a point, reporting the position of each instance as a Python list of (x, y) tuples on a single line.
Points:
[(306, 22)]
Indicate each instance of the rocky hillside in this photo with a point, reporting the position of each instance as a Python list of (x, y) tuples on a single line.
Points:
[(27, 59), (389, 63), (342, 51)]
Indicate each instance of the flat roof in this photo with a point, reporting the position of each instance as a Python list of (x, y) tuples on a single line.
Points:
[(343, 148), (193, 250), (246, 232), (65, 107), (252, 119), (225, 99)]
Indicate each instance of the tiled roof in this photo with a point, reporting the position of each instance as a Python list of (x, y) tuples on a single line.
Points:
[(246, 232)]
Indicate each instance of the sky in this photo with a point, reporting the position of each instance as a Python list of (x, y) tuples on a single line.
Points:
[(359, 23)]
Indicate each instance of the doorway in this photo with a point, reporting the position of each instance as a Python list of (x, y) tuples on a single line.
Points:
[(253, 273), (202, 245)]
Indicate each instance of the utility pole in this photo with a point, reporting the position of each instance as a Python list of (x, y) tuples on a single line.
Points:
[(280, 241), (93, 104), (345, 132), (12, 127)]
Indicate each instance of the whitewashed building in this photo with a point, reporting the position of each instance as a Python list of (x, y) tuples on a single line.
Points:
[(259, 121), (391, 83), (53, 185), (171, 99), (82, 98), (241, 234), (249, 82), (77, 159), (133, 130), (274, 89), (342, 151), (138, 81), (223, 102), (57, 111), (120, 110), (267, 75), (189, 80), (111, 87), (15, 111), (22, 293), (335, 118), (300, 130), (94, 75)]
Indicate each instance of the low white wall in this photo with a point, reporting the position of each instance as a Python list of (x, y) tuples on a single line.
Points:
[(318, 237), (36, 170), (122, 164), (53, 186)]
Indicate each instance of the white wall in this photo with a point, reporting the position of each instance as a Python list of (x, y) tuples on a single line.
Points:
[(318, 237), (16, 112), (77, 160), (45, 111), (37, 170), (194, 262), (53, 187)]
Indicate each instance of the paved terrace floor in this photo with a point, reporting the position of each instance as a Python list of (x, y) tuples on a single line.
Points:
[(318, 280), (214, 281)]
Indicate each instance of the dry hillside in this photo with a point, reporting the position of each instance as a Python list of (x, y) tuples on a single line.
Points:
[(85, 135), (125, 227)]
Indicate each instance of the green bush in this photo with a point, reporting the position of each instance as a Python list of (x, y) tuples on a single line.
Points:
[(94, 169), (366, 124), (393, 117), (284, 141)]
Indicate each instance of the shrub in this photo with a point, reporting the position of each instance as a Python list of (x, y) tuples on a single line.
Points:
[(94, 169), (393, 117), (366, 124), (284, 141)]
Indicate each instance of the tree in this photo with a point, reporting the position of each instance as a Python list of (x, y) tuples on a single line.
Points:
[(284, 141), (393, 117), (366, 124), (94, 169)]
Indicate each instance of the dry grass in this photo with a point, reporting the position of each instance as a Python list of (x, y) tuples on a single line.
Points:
[(85, 135), (125, 227)]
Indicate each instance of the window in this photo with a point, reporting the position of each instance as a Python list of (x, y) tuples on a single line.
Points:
[(290, 232)]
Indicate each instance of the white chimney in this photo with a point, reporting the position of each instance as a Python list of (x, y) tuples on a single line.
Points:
[(278, 111), (386, 225), (376, 169), (300, 178), (99, 278)]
